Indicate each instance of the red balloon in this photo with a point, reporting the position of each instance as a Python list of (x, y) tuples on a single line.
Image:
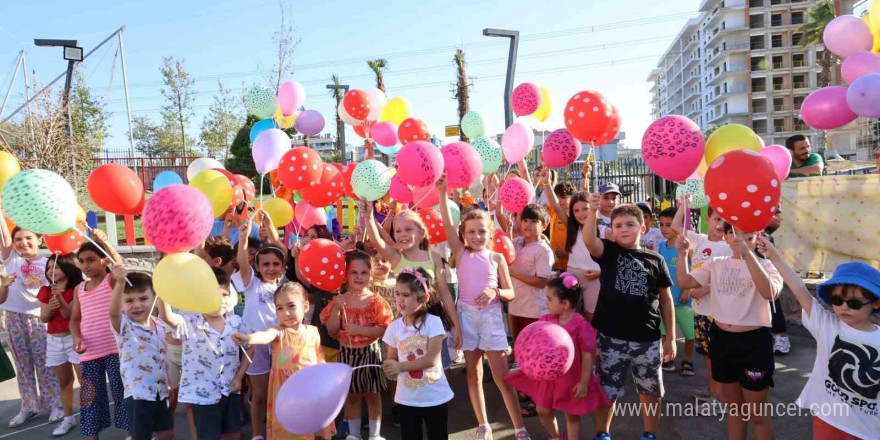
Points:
[(399, 191), (247, 187), (425, 197), (612, 130), (504, 246), (364, 128), (116, 188), (743, 188), (237, 191), (347, 190), (64, 243), (326, 191), (432, 220), (322, 263), (587, 116), (357, 104), (300, 167), (413, 129), (462, 164)]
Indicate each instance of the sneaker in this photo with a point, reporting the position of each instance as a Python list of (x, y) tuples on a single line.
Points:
[(56, 415), (781, 344), (602, 436), (351, 437), (376, 437), (668, 366), (21, 418), (703, 394), (66, 425), (649, 436), (523, 435), (395, 415), (484, 432)]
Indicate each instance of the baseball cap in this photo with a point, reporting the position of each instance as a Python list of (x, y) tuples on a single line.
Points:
[(855, 273), (645, 205), (609, 187)]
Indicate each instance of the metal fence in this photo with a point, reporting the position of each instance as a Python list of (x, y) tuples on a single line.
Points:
[(147, 168)]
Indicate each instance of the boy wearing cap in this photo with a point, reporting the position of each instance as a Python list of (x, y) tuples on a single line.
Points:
[(847, 368), (653, 236), (609, 192)]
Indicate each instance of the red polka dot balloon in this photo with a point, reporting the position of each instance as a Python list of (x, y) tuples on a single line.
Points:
[(413, 129), (560, 149), (743, 188), (300, 167), (611, 130), (247, 187), (357, 104), (347, 170), (64, 243), (504, 246), (327, 190), (525, 99), (322, 263), (237, 190), (434, 223), (587, 116)]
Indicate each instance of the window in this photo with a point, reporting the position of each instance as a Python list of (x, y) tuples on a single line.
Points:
[(800, 81), (759, 105), (759, 63), (779, 124), (778, 83), (776, 20), (759, 125), (798, 102), (796, 38), (797, 17), (778, 104), (799, 125), (759, 85), (777, 62), (797, 60), (756, 42), (756, 21), (756, 3), (776, 40)]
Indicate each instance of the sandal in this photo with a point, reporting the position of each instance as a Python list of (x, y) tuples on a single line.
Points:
[(528, 409), (687, 368)]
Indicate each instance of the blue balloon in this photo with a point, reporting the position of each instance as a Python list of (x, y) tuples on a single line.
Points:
[(392, 150), (166, 178), (262, 126)]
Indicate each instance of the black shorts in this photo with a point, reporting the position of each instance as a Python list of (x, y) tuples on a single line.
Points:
[(148, 416), (212, 421), (745, 357)]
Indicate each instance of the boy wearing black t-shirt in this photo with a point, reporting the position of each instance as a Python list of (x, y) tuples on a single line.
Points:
[(634, 294)]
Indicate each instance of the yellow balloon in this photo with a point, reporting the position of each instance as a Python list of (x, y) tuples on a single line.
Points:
[(543, 111), (216, 187), (80, 215), (9, 167), (279, 210), (874, 13), (287, 121), (874, 30), (395, 111), (185, 281), (729, 138), (702, 167)]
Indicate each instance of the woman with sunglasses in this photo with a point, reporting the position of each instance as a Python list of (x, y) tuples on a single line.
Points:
[(846, 373)]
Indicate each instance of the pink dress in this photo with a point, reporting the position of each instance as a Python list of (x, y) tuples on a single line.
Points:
[(558, 394)]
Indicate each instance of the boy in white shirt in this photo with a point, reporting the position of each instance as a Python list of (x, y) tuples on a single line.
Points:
[(141, 341)]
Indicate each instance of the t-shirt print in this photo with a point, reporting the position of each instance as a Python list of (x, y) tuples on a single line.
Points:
[(632, 276), (854, 373), (735, 281), (32, 274), (411, 347)]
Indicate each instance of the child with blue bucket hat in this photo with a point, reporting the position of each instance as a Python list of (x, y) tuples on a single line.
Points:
[(843, 391)]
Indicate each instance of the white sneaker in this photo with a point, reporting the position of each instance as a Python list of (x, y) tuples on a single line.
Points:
[(484, 432), (781, 344), (351, 437), (56, 415), (66, 425), (21, 418), (376, 437)]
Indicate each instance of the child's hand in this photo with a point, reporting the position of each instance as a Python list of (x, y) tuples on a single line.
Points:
[(391, 368), (7, 280), (591, 274), (54, 303), (766, 248), (99, 235), (682, 244), (456, 338), (78, 345), (740, 246), (668, 350), (586, 169), (57, 289), (593, 199), (235, 385), (241, 338), (486, 297), (118, 272), (441, 185), (354, 329), (580, 390)]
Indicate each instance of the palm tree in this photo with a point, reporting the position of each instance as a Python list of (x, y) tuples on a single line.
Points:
[(461, 88), (379, 66), (338, 95)]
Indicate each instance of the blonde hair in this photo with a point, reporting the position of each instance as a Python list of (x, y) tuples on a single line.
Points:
[(294, 288), (412, 216), (476, 214)]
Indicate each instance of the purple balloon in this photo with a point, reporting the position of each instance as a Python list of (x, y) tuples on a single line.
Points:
[(827, 109), (309, 122), (863, 96), (268, 149), (848, 34), (309, 400), (858, 65), (291, 96)]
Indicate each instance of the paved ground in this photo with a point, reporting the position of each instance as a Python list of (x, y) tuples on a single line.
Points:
[(790, 376)]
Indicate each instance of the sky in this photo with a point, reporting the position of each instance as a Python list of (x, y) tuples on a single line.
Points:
[(565, 45)]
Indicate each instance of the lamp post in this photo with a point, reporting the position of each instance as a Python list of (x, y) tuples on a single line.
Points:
[(341, 141), (511, 67)]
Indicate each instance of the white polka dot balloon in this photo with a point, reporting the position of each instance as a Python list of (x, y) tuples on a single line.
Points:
[(322, 263), (742, 186), (695, 189)]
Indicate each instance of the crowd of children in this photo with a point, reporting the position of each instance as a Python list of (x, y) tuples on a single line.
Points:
[(621, 288)]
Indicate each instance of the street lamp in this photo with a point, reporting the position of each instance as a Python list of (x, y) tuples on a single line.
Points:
[(511, 67), (73, 54), (341, 141)]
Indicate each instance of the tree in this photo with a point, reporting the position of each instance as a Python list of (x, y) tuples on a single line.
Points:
[(177, 110), (220, 125), (379, 66), (241, 161), (285, 40), (462, 93), (340, 128)]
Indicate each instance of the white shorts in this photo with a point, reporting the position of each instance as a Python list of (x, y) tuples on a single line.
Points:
[(482, 328), (589, 290), (60, 350), (173, 364)]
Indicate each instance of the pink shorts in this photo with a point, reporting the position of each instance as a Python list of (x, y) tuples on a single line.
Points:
[(589, 290), (262, 361)]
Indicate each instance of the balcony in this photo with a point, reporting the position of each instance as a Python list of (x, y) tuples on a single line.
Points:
[(759, 109), (690, 79), (777, 87), (689, 61), (779, 65), (778, 128), (800, 127), (726, 73), (800, 63), (727, 49), (779, 108), (722, 95), (800, 85), (759, 89)]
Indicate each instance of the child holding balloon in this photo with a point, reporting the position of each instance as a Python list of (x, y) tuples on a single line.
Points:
[(483, 281)]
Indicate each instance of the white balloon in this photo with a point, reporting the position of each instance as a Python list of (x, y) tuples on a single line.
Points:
[(377, 103), (347, 118), (202, 164)]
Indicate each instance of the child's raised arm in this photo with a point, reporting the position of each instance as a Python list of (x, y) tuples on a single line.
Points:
[(451, 233), (6, 237), (593, 242), (678, 219), (5, 282), (552, 200), (385, 248), (118, 274), (101, 238), (241, 256), (791, 278), (167, 315), (271, 231), (682, 272)]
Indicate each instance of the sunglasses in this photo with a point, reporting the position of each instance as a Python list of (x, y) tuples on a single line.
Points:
[(851, 303)]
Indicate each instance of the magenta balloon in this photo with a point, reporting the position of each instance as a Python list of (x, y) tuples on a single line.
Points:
[(291, 96), (384, 133), (826, 109), (178, 218), (304, 408), (399, 191), (517, 142), (310, 122), (560, 149), (515, 194), (863, 96), (525, 99), (462, 164), (268, 149), (780, 157), (308, 215), (420, 163), (848, 34), (860, 64), (544, 350), (673, 147)]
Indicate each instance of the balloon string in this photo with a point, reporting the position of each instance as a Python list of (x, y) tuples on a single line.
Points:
[(53, 270), (100, 248), (365, 366), (152, 307), (416, 204)]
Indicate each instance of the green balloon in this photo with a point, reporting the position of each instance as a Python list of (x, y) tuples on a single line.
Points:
[(40, 201), (472, 125), (695, 189), (490, 153), (261, 102), (455, 213), (370, 180)]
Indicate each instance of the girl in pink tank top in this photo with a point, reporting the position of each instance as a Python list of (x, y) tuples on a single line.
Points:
[(477, 272)]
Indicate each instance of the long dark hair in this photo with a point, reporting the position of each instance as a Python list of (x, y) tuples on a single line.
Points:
[(98, 250), (571, 235), (321, 231), (432, 301), (67, 264)]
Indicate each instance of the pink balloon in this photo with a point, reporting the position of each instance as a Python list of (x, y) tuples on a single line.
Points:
[(827, 109), (399, 191), (302, 408), (268, 149), (515, 194), (673, 147), (544, 350), (308, 215), (419, 163), (560, 149), (462, 164), (525, 99), (291, 96), (859, 64), (863, 96), (309, 122), (780, 157), (384, 133), (425, 197), (846, 35), (178, 218), (517, 142)]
